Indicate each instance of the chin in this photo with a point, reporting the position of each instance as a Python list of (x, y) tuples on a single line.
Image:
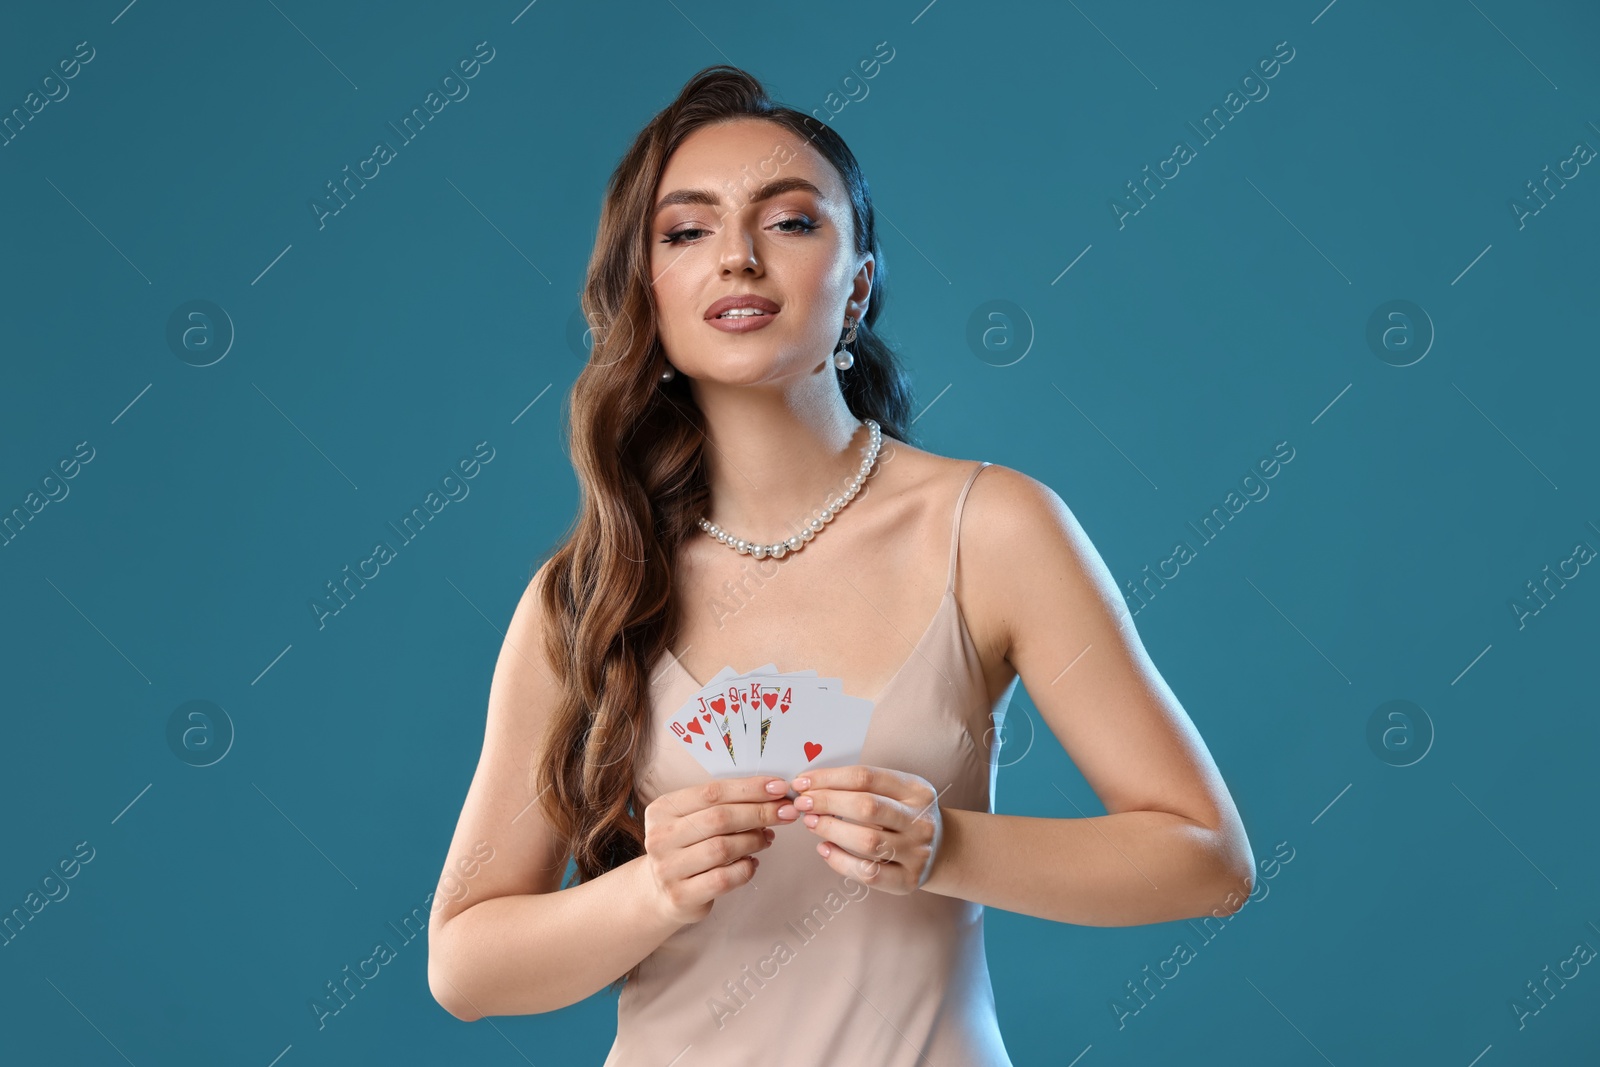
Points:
[(751, 368)]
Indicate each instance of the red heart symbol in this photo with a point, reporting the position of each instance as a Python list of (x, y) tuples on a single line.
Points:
[(706, 716), (771, 699), (813, 750), (708, 747), (719, 705), (694, 724)]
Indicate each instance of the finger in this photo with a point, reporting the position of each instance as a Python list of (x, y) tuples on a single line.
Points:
[(722, 820), (866, 842), (858, 776), (719, 880), (870, 809), (713, 852), (864, 869), (683, 822), (914, 792), (722, 791)]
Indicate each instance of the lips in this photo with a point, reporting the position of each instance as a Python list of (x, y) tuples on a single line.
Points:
[(744, 300)]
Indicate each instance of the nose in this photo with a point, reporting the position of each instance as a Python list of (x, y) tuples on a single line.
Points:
[(738, 252)]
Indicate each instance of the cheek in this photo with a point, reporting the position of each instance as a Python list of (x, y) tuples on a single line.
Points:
[(821, 287), (677, 306), (671, 299)]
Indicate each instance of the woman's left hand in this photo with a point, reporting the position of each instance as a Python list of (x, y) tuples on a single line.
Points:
[(892, 838)]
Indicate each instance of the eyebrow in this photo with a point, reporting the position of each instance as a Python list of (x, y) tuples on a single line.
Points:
[(764, 192)]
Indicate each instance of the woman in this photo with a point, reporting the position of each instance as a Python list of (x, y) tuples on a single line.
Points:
[(737, 377)]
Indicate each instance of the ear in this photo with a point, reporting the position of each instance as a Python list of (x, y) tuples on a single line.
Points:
[(861, 289)]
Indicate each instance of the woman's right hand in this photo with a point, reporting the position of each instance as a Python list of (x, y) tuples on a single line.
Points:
[(700, 842)]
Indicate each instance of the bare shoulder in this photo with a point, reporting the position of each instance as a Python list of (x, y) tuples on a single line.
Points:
[(999, 501), (1021, 548), (906, 470), (918, 470), (1005, 505)]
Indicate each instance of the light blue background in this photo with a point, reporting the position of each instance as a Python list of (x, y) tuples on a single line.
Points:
[(1228, 315)]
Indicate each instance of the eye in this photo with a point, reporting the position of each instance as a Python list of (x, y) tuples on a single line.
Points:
[(803, 225), (676, 238)]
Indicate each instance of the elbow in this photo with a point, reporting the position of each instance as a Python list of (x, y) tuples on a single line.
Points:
[(1223, 869), (1235, 864), (442, 986), (1235, 892), (449, 997)]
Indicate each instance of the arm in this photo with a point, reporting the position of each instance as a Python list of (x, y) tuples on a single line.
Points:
[(503, 938), (1125, 869), (522, 953), (1171, 845)]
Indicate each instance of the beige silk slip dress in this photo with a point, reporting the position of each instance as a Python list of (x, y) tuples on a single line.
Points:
[(805, 967)]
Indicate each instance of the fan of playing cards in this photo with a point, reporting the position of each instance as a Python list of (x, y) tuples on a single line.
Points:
[(763, 722)]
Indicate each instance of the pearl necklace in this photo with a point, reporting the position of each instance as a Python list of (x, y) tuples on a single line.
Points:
[(779, 549)]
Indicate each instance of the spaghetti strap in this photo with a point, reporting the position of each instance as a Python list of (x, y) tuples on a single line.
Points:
[(955, 525)]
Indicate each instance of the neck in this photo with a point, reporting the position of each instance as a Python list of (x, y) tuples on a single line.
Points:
[(773, 456)]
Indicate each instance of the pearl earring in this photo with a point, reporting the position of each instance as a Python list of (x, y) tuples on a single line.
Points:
[(668, 374), (843, 358)]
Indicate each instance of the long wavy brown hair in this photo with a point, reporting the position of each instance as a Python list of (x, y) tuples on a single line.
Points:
[(637, 448)]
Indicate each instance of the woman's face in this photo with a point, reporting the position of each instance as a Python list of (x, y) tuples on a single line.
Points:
[(715, 234)]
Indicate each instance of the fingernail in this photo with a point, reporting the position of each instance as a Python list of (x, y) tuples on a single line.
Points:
[(787, 812), (769, 833), (802, 783), (776, 786), (804, 803), (812, 820)]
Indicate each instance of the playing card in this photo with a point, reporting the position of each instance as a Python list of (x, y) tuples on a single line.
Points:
[(767, 697), (760, 700), (768, 722), (820, 727), (706, 734), (739, 714), (708, 726), (728, 685)]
